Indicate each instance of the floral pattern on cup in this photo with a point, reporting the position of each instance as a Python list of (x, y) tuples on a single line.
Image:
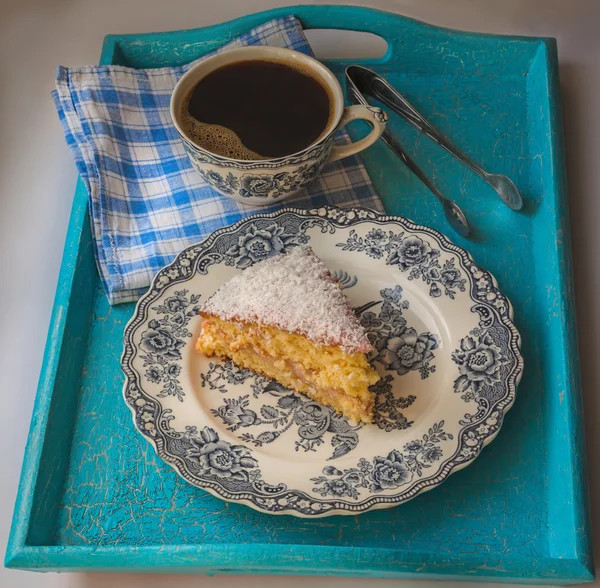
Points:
[(261, 185)]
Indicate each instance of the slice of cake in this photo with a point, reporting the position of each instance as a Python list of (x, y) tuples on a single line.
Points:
[(287, 318)]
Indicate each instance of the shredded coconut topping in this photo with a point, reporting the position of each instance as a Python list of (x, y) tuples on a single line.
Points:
[(294, 292)]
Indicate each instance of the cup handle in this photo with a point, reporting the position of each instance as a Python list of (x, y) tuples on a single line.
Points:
[(375, 116)]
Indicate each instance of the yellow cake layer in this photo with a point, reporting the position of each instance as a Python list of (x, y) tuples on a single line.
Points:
[(327, 374)]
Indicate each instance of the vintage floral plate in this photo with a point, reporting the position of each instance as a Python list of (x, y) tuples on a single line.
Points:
[(445, 346)]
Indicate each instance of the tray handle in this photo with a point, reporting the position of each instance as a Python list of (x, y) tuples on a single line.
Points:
[(392, 28)]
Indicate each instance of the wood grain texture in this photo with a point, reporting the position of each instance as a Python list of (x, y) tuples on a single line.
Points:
[(93, 494)]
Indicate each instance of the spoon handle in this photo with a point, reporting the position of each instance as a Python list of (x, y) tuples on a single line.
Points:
[(457, 220), (394, 100), (455, 217), (398, 150), (394, 145)]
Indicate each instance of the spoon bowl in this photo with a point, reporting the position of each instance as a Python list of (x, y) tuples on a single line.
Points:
[(456, 218), (506, 189)]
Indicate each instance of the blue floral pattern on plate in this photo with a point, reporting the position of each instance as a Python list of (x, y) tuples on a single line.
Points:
[(440, 328), (410, 253)]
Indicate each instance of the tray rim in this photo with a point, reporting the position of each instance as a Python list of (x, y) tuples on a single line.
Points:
[(339, 560)]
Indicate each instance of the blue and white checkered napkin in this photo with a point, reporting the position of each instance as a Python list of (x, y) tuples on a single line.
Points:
[(147, 203)]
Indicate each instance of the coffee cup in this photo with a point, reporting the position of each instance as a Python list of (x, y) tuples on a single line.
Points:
[(264, 181)]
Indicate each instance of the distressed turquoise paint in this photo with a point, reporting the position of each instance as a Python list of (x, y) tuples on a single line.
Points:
[(567, 490), (519, 513)]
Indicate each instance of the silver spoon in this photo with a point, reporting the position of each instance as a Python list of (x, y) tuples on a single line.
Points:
[(370, 83), (454, 215)]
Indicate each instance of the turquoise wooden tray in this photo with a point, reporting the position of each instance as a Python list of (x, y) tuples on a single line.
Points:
[(93, 494)]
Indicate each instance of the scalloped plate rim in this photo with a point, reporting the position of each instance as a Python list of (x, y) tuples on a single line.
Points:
[(368, 504)]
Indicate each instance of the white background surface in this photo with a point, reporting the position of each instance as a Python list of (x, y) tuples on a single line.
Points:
[(37, 180)]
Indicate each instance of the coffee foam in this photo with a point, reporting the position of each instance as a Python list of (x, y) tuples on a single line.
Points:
[(217, 139)]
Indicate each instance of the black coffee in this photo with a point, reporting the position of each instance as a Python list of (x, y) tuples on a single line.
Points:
[(256, 110)]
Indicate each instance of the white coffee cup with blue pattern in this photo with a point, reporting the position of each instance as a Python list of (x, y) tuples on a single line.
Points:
[(262, 182)]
